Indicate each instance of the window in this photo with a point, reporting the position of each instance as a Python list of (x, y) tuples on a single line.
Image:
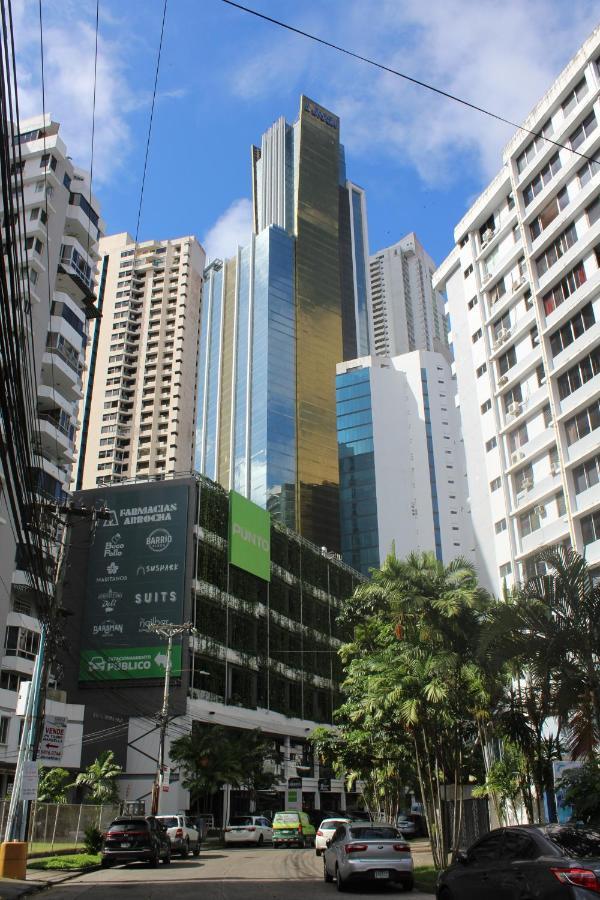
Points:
[(505, 570), (579, 374), (485, 407), (481, 370), (472, 303), (507, 361), (463, 241), (501, 326), (534, 336), (540, 374), (48, 160), (556, 249), (561, 506), (593, 211), (530, 521), (468, 271), (4, 725), (547, 413), (587, 171), (541, 179), (495, 484), (564, 288), (532, 149), (475, 337), (549, 213), (583, 423), (497, 292), (587, 474), (487, 849), (500, 526), (574, 96), (491, 444), (590, 528), (585, 129), (21, 642), (518, 438), (571, 330), (517, 844)]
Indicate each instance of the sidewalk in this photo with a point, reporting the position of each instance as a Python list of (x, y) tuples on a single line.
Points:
[(10, 888)]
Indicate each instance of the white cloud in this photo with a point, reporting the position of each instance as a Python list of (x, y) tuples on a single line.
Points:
[(503, 59), (69, 80), (231, 230)]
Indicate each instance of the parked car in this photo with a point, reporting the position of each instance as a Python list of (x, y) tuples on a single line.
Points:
[(130, 838), (182, 834), (545, 862), (325, 832), (363, 851), (248, 830), (407, 826), (293, 827)]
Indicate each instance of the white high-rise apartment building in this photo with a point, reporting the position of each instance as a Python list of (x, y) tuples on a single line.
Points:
[(402, 463), (523, 289), (406, 312), (62, 225), (138, 410)]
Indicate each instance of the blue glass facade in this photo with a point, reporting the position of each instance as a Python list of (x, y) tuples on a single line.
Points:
[(431, 460), (362, 322), (358, 498), (262, 413)]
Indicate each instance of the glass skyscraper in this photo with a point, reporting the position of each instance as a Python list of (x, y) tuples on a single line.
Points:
[(276, 319)]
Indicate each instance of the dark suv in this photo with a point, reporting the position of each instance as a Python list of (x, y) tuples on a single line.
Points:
[(131, 838)]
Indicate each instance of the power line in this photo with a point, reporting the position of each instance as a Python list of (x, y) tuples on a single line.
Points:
[(424, 84), (160, 43)]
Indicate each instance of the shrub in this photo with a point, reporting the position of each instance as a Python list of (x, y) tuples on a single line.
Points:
[(93, 840)]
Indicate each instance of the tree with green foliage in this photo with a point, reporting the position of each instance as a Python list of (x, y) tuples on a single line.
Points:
[(100, 779), (582, 791), (412, 672), (53, 785), (212, 756)]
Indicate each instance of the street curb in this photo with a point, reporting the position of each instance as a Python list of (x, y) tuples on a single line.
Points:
[(75, 873)]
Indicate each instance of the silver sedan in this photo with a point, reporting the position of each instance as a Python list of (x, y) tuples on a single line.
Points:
[(361, 851)]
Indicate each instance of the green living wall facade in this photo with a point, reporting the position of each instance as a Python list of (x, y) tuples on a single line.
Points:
[(265, 644)]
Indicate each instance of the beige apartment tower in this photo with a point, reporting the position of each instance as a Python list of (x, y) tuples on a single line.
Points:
[(138, 404)]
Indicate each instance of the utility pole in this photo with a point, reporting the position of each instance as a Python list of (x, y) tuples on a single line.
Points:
[(169, 631)]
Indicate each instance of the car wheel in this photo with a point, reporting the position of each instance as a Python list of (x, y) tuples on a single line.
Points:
[(326, 876), (185, 849), (341, 884), (196, 850), (409, 884), (105, 863), (167, 859), (261, 840), (154, 859), (445, 894), (302, 844), (318, 852)]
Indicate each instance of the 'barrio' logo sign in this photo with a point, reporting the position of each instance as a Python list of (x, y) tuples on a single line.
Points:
[(249, 536)]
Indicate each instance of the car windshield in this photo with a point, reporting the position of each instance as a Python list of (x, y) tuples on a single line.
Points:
[(576, 843), (240, 820), (286, 818), (380, 833), (140, 825), (332, 824), (168, 821)]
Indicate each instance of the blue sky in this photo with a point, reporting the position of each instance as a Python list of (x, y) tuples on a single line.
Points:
[(226, 76)]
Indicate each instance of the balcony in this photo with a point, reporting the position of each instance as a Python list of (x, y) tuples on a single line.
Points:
[(74, 276)]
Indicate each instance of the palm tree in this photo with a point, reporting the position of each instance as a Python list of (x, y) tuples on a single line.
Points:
[(428, 675), (100, 778)]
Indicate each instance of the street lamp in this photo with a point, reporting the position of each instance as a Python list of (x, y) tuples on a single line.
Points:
[(169, 631)]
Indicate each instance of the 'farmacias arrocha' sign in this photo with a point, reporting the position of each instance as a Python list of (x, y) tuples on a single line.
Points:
[(136, 577)]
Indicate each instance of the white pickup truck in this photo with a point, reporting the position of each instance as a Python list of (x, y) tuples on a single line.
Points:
[(183, 835)]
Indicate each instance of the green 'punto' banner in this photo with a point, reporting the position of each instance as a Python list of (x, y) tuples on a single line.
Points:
[(136, 577), (249, 536)]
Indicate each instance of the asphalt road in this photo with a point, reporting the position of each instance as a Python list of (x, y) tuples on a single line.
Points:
[(233, 874)]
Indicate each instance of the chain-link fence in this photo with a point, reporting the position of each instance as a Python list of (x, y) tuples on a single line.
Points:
[(61, 826)]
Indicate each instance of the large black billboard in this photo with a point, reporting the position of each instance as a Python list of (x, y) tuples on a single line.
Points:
[(136, 577)]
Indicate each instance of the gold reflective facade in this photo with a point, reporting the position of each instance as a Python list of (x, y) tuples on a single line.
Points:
[(318, 324)]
